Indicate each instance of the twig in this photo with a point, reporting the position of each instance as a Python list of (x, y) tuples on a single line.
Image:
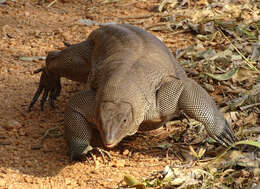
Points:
[(249, 106), (155, 25), (181, 31), (136, 17), (52, 3), (251, 130), (47, 133), (247, 61)]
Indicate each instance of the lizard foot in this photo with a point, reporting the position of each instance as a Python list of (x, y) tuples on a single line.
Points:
[(50, 87), (89, 150), (102, 152), (226, 137)]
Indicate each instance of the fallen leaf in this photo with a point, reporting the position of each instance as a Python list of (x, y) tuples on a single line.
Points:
[(30, 59), (243, 74), (111, 1), (165, 2), (177, 181), (193, 152), (224, 76), (133, 182), (168, 173), (231, 117), (256, 51)]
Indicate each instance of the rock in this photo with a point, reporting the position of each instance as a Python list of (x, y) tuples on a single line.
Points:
[(2, 183), (12, 124), (21, 132), (177, 181), (255, 186), (5, 142), (126, 152), (119, 163)]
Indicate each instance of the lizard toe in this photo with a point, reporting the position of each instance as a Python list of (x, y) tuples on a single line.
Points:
[(44, 98), (50, 87), (81, 153), (35, 97), (226, 137)]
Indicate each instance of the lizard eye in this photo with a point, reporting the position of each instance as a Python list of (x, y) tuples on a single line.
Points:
[(124, 121)]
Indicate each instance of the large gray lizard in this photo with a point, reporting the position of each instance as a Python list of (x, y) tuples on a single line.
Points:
[(134, 83)]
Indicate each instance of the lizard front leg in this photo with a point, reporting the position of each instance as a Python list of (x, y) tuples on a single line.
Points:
[(167, 97), (72, 63), (187, 95), (79, 121)]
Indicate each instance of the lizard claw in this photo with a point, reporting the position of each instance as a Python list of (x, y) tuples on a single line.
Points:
[(102, 153), (89, 151), (50, 87), (226, 137)]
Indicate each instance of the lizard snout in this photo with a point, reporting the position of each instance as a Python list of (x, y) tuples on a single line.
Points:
[(110, 145), (109, 140)]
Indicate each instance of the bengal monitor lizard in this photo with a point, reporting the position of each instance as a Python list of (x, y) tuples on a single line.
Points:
[(134, 83)]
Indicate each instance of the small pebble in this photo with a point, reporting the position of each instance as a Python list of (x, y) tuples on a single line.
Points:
[(2, 183), (209, 87), (12, 124), (126, 152), (5, 142), (36, 146), (119, 163), (21, 133)]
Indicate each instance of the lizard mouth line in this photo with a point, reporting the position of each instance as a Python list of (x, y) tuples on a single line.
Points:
[(110, 145)]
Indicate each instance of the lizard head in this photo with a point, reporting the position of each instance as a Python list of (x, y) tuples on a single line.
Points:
[(116, 122)]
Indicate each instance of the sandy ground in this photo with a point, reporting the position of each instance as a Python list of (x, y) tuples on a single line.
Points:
[(29, 29)]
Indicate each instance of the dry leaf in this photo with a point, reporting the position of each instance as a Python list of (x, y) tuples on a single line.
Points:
[(243, 74)]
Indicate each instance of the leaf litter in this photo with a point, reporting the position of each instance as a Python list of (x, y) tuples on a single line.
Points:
[(226, 53), (224, 44)]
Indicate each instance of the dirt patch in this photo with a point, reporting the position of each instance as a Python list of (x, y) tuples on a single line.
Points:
[(32, 28), (29, 29)]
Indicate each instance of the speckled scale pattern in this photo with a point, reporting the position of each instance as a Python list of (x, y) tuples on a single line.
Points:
[(168, 97), (195, 101), (79, 122), (124, 63)]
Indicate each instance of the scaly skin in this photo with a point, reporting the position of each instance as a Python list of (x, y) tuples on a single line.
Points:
[(135, 82)]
